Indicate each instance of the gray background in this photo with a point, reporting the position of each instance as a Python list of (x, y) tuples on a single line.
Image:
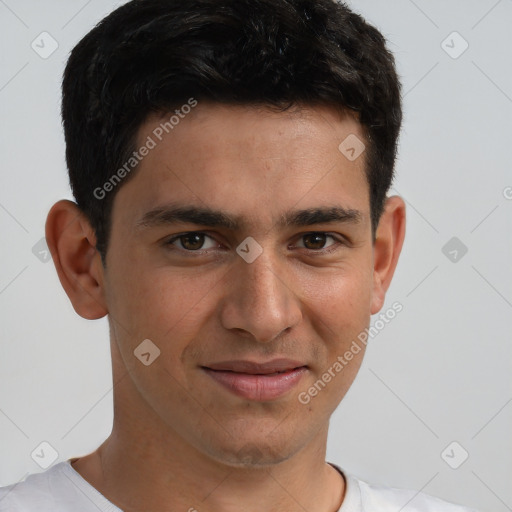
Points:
[(438, 373)]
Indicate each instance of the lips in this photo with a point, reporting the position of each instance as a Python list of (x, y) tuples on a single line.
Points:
[(249, 367), (257, 381)]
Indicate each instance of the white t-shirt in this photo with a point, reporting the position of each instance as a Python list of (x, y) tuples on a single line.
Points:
[(62, 489)]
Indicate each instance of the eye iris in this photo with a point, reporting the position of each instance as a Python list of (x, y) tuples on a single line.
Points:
[(318, 240), (197, 240)]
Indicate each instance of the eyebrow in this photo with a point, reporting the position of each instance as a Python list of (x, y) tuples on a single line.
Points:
[(205, 216)]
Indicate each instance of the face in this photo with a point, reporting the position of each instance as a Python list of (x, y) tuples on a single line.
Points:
[(249, 301)]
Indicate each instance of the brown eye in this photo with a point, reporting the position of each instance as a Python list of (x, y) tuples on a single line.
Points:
[(192, 241), (315, 241)]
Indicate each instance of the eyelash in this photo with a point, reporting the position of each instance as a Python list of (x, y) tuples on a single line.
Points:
[(339, 242)]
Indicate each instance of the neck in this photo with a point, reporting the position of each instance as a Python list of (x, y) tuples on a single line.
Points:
[(137, 475), (141, 474)]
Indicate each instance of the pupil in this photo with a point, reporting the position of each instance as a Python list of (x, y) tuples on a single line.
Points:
[(320, 240), (193, 245)]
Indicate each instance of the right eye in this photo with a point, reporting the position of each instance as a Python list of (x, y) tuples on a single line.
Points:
[(190, 242)]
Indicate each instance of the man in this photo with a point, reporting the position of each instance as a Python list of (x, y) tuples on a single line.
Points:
[(230, 162)]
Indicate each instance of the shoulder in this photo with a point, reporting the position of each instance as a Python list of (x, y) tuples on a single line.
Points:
[(377, 497), (41, 492), (366, 497), (58, 489), (33, 493)]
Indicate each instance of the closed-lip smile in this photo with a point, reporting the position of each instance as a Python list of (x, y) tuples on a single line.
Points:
[(263, 381)]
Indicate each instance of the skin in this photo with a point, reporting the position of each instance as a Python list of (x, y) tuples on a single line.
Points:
[(180, 440)]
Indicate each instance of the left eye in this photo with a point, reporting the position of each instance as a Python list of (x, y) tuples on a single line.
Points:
[(316, 240)]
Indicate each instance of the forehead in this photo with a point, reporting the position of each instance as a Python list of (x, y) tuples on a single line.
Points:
[(251, 161), (252, 132)]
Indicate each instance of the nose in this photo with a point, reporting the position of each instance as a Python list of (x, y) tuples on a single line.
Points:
[(261, 302)]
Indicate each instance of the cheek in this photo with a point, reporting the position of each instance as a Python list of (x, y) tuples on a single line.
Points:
[(159, 302), (340, 298), (340, 310)]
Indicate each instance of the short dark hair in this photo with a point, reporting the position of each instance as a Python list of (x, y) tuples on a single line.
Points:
[(151, 56)]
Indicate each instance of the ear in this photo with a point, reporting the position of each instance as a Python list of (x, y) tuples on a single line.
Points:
[(72, 244), (389, 239)]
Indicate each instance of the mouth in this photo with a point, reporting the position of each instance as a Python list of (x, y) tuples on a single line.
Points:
[(257, 381)]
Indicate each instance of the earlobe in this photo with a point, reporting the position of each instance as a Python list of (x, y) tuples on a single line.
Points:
[(71, 241), (388, 245)]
